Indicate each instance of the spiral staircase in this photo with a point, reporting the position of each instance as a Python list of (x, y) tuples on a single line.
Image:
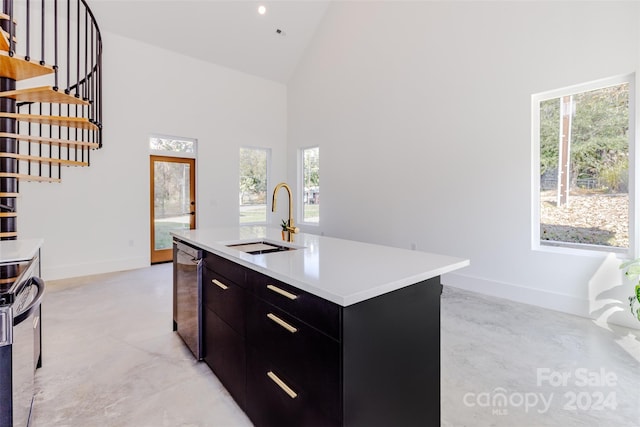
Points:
[(50, 95)]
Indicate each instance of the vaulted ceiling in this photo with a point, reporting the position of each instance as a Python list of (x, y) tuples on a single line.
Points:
[(229, 33)]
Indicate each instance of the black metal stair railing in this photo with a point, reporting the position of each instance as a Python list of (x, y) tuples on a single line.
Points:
[(60, 121)]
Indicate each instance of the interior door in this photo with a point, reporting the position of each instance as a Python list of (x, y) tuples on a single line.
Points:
[(173, 202)]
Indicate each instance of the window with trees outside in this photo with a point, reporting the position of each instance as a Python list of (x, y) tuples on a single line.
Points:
[(254, 172), (173, 146), (582, 135), (311, 185)]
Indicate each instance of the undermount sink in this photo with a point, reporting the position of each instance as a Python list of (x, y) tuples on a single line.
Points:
[(257, 247)]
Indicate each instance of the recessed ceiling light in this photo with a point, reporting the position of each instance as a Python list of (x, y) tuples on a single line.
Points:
[(262, 10)]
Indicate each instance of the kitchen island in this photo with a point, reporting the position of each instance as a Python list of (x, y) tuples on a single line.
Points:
[(321, 331)]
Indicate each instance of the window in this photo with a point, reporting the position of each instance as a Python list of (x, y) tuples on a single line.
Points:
[(172, 146), (253, 185), (581, 138), (311, 185)]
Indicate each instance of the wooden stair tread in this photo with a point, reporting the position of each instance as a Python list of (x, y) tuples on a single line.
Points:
[(72, 122), (4, 41), (18, 69), (44, 94), (43, 159), (4, 16), (4, 35), (26, 177), (45, 140)]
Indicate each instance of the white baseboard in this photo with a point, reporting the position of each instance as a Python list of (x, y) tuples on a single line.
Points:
[(612, 310), (77, 270)]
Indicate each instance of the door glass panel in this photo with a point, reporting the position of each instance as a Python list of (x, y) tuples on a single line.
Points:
[(172, 201)]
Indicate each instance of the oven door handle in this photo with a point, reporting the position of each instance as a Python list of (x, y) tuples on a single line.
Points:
[(34, 304)]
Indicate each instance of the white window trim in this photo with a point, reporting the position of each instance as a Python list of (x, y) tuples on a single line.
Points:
[(165, 153), (268, 210), (300, 204), (577, 249)]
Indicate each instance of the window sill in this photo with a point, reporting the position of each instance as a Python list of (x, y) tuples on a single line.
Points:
[(577, 249)]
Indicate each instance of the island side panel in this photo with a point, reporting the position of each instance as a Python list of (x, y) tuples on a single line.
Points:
[(391, 356)]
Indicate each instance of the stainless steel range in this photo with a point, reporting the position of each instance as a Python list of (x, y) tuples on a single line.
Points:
[(21, 292)]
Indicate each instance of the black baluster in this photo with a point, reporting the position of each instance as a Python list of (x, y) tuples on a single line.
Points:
[(42, 38), (59, 135), (50, 144), (68, 130), (99, 106), (28, 35), (18, 144), (68, 89), (59, 157), (78, 52), (86, 54), (40, 145), (91, 91), (12, 46), (29, 144), (55, 42), (76, 130)]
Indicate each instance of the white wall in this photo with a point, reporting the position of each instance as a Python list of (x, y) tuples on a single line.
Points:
[(422, 114), (97, 219)]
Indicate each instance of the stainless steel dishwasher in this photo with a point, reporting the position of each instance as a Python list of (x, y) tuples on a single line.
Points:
[(187, 295), (21, 294)]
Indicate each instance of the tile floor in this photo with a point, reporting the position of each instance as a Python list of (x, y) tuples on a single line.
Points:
[(111, 359)]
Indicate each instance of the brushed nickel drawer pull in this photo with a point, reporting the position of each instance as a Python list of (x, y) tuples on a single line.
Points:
[(219, 284), (282, 292), (292, 394), (282, 323)]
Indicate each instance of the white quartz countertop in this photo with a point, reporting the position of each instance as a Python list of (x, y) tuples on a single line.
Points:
[(342, 271), (19, 250)]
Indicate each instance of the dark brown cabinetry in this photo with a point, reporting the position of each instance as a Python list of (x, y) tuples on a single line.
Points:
[(224, 326), (287, 342), (290, 358)]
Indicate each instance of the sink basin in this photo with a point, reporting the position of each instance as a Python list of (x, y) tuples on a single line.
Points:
[(258, 247)]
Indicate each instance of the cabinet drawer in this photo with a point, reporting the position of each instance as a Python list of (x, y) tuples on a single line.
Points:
[(307, 356), (322, 314), (225, 298), (225, 353), (225, 267), (278, 400)]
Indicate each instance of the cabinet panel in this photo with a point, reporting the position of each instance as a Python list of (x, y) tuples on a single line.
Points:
[(306, 355), (391, 358), (225, 353), (320, 313), (276, 400), (225, 267), (225, 298)]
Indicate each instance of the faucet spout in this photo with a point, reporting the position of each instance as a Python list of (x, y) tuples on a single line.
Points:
[(290, 227)]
